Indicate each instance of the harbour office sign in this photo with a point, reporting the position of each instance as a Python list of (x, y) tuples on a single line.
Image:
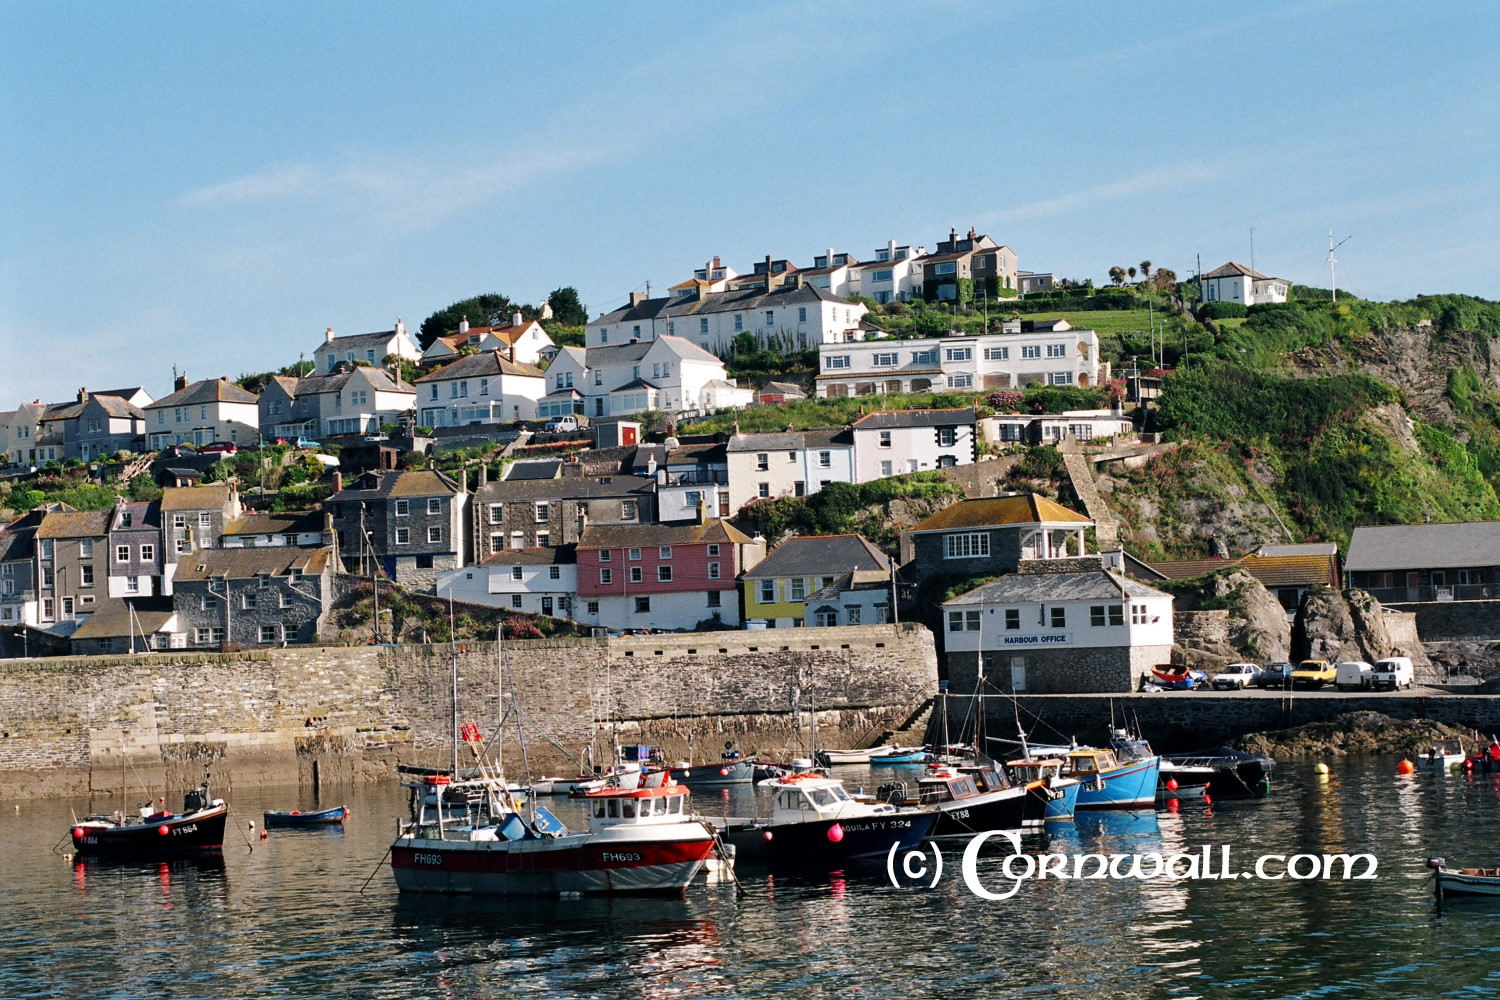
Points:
[(1051, 639)]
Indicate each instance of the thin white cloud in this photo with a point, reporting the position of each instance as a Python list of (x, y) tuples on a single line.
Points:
[(1148, 182)]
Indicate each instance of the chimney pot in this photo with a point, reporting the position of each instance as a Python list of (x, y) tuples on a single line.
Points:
[(516, 319), (180, 382), (338, 481), (463, 325), (328, 335)]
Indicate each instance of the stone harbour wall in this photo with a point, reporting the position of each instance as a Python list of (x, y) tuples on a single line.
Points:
[(332, 716)]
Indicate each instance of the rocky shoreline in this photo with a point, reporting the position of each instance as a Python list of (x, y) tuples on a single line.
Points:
[(1357, 733)]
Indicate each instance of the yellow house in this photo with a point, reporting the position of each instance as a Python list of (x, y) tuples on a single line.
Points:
[(777, 588)]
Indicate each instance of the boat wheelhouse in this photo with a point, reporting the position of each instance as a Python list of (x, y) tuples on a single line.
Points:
[(814, 820), (1109, 783)]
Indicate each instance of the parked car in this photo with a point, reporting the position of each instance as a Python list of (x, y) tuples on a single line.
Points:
[(1275, 675), (1237, 675), (564, 423), (1394, 672), (299, 442), (1313, 674), (219, 447), (1352, 675)]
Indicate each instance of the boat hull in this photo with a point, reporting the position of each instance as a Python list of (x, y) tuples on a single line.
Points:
[(649, 860), (1454, 882), (1015, 808), (811, 842), (323, 817), (1130, 786), (1063, 801), (200, 832), (729, 772)]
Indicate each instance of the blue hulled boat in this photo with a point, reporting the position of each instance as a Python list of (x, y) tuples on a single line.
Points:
[(1062, 788), (295, 817), (1110, 783)]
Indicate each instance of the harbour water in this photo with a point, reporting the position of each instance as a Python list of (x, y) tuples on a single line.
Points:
[(313, 913)]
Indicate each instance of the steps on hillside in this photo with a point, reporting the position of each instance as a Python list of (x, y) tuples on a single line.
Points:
[(1081, 472), (913, 732)]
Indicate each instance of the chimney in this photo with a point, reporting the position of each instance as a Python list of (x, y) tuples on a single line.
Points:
[(515, 318), (463, 325), (338, 481), (484, 475), (768, 273), (973, 233), (717, 265), (328, 536), (636, 298), (701, 514), (83, 395), (180, 382), (328, 335), (798, 278), (400, 327), (829, 262), (890, 249), (952, 240)]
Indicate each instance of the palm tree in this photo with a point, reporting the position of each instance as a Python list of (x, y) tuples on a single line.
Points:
[(1130, 271), (1145, 269), (1117, 275)]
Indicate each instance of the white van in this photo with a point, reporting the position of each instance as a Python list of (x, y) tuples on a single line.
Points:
[(1394, 672), (1354, 675)]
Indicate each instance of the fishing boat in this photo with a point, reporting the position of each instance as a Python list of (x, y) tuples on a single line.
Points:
[(1444, 755), (474, 837), (567, 786), (1062, 789), (155, 832), (1223, 770), (836, 758), (295, 817), (814, 820), (732, 768), (1111, 783), (972, 799), (1467, 882)]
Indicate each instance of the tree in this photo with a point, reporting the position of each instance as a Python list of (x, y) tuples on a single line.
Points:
[(1145, 269), (1164, 279), (1117, 275), (481, 310), (1130, 271), (566, 308)]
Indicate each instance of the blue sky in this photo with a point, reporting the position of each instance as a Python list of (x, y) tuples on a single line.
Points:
[(211, 185)]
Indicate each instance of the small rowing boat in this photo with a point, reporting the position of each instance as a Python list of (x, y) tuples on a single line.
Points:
[(295, 817)]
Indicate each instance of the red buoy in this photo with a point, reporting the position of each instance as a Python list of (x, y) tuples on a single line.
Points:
[(723, 772), (767, 835), (77, 832), (835, 833), (1171, 784), (164, 829)]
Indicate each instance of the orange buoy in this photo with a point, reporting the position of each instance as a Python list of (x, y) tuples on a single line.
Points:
[(1171, 784), (262, 835), (1406, 767)]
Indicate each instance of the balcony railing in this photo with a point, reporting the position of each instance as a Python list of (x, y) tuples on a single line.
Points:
[(1446, 592)]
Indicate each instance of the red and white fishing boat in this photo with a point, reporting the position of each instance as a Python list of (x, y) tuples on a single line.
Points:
[(473, 836)]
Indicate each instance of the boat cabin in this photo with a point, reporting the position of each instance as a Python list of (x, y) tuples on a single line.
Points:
[(1090, 761), (1036, 770), (637, 806), (807, 797), (945, 785)]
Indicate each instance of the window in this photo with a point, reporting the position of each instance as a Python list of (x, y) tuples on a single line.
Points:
[(1059, 617), (47, 576), (798, 589), (1029, 351), (148, 553), (946, 267), (962, 381), (1081, 432), (713, 571), (958, 354), (543, 538), (713, 551), (606, 576), (637, 574), (122, 553), (270, 633), (591, 607), (885, 439), (836, 361), (403, 536), (46, 548), (703, 324), (434, 505), (997, 354), (86, 548), (554, 572), (971, 545), (1057, 350), (1012, 619), (515, 572), (715, 599), (635, 555), (248, 599), (495, 513), (604, 335), (627, 510), (205, 520), (403, 507), (928, 357), (642, 605), (881, 275), (664, 552), (516, 601), (604, 555), (885, 469), (884, 360), (770, 317), (664, 574), (540, 512), (484, 388), (200, 636), (762, 461), (763, 489), (208, 604), (768, 591), (1138, 615), (947, 437), (294, 575), (283, 600), (739, 321), (434, 535), (132, 584), (1059, 378), (963, 621), (518, 539)]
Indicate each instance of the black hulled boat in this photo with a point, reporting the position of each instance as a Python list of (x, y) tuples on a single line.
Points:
[(198, 829)]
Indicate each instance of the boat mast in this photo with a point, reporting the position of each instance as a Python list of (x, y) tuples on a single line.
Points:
[(453, 658)]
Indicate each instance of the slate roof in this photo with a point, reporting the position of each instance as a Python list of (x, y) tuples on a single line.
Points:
[(819, 555), (213, 390), (194, 497), (737, 300), (1424, 546), (481, 364), (1234, 270), (566, 488), (74, 524), (242, 564), (396, 484), (318, 384), (1307, 549), (615, 536), (358, 340), (15, 543), (142, 515), (547, 468), (123, 617), (1035, 588), (291, 523), (537, 555), (885, 419), (1299, 569), (1024, 508), (845, 584)]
